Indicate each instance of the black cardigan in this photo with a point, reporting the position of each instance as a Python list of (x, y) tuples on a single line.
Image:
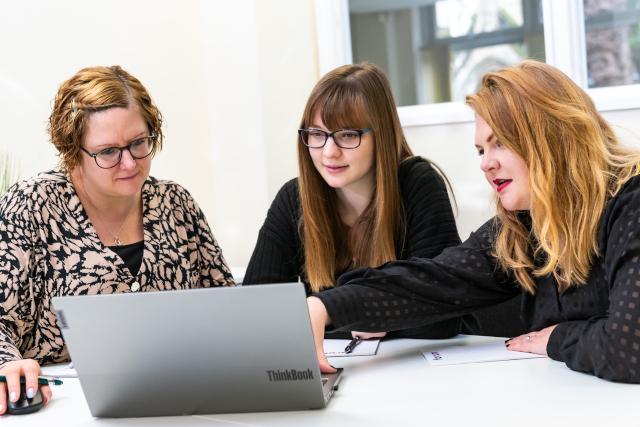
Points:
[(598, 328), (429, 227)]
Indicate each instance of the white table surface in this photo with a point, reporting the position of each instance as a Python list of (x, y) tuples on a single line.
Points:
[(398, 387)]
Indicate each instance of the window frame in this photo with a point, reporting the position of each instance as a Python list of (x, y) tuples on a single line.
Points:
[(565, 48)]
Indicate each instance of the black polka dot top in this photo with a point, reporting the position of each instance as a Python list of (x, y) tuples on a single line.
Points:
[(598, 328)]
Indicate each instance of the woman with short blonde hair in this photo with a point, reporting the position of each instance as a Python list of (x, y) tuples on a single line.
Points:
[(99, 224)]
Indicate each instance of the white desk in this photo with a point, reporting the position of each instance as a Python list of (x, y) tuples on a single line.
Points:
[(398, 387)]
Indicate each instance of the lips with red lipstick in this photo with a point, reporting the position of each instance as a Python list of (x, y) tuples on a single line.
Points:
[(501, 184)]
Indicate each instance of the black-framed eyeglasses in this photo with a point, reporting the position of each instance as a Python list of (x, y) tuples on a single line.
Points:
[(343, 138), (110, 157)]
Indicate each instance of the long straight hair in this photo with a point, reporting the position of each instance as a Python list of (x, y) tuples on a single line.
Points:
[(575, 161), (349, 97)]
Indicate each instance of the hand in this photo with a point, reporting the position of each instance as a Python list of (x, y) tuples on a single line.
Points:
[(319, 319), (368, 335), (29, 369), (532, 342)]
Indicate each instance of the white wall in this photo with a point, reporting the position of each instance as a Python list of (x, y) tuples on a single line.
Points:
[(231, 78), (451, 147), (260, 66)]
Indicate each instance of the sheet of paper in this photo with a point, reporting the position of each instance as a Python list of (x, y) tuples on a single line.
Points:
[(474, 353), (63, 370), (335, 348)]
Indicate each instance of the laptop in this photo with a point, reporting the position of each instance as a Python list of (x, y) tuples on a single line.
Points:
[(197, 351)]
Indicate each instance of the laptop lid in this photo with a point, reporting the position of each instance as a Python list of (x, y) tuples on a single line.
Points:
[(198, 351)]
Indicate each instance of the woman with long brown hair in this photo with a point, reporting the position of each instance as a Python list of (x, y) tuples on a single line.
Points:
[(565, 235), (361, 198)]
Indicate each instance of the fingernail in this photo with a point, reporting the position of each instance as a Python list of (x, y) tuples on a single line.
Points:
[(508, 340), (13, 396), (30, 393)]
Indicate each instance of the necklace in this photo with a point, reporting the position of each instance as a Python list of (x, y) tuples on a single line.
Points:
[(115, 236), (84, 197)]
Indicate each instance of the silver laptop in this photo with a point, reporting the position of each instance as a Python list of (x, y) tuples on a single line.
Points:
[(199, 351)]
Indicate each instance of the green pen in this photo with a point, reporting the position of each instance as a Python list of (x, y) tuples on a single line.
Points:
[(41, 380)]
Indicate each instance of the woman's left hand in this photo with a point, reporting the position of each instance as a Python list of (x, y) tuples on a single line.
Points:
[(532, 342)]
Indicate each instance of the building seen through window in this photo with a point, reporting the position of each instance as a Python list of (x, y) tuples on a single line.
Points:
[(612, 38), (437, 50)]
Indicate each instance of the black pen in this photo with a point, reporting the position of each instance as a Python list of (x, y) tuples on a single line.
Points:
[(352, 344)]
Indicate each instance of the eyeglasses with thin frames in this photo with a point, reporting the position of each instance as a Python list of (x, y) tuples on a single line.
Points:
[(343, 138), (110, 157)]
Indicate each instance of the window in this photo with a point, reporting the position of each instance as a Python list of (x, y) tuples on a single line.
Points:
[(612, 36), (434, 51)]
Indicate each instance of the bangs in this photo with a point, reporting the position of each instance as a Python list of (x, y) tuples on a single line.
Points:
[(342, 107), (497, 108)]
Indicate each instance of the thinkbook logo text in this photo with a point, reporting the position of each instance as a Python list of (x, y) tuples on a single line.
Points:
[(289, 375)]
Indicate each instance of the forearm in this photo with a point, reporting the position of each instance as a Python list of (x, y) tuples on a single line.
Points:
[(416, 292), (407, 294), (592, 346)]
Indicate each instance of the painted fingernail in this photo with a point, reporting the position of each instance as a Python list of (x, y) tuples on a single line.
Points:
[(30, 393), (13, 396), (507, 341)]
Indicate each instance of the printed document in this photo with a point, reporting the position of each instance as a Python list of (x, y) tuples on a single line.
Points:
[(474, 353)]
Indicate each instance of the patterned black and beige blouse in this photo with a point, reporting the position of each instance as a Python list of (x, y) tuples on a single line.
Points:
[(49, 248)]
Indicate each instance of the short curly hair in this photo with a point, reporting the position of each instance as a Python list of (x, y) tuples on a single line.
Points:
[(95, 89)]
